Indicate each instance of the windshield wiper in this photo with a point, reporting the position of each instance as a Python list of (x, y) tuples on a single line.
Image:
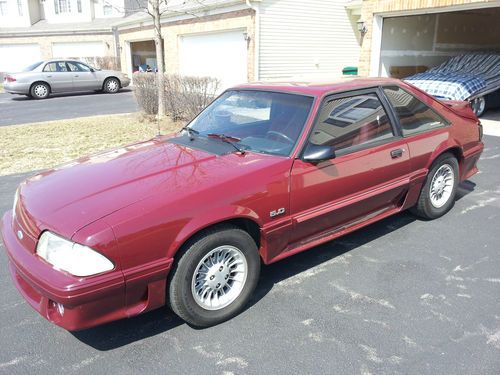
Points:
[(228, 139), (190, 131)]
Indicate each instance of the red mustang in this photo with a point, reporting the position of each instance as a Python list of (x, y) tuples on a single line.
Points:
[(264, 172)]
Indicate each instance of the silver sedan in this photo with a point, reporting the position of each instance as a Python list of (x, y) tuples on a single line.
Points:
[(54, 76)]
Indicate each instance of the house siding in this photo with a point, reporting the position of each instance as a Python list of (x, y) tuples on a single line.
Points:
[(306, 38)]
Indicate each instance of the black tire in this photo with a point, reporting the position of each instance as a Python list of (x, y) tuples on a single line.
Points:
[(425, 207), (111, 85), (40, 90), (180, 292)]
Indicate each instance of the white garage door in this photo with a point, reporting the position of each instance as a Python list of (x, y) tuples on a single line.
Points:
[(221, 55), (15, 57), (77, 49)]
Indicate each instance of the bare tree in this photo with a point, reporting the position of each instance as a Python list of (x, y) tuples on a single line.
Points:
[(156, 8)]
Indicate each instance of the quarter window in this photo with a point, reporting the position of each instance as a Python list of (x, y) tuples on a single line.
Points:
[(351, 121), (414, 116)]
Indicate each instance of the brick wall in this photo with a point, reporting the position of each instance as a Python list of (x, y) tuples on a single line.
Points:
[(244, 19), (371, 7)]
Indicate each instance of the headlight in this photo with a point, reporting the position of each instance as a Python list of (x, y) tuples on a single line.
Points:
[(68, 256)]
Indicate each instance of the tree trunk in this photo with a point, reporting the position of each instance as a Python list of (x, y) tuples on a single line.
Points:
[(160, 61)]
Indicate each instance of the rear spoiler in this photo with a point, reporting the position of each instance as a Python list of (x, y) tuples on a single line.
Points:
[(461, 108)]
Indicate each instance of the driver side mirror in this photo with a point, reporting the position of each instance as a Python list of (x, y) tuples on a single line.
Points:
[(316, 153), (92, 70)]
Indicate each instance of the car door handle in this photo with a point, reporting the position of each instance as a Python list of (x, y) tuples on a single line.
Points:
[(48, 76), (76, 75), (397, 153)]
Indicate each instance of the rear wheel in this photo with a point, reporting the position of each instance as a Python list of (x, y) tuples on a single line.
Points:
[(40, 90), (214, 276), (437, 196), (111, 85)]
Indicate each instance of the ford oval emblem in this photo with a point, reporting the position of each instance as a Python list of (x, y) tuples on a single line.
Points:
[(20, 235)]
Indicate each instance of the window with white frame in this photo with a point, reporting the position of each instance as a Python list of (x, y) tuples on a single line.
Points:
[(20, 7), (3, 8), (62, 6), (107, 10)]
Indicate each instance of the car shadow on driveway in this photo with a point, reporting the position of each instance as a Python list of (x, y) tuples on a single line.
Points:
[(126, 331), (23, 98)]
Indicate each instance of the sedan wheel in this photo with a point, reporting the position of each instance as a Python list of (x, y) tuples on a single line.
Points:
[(214, 276), (438, 193), (111, 85), (40, 90)]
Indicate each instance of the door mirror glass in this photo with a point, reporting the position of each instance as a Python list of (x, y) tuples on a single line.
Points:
[(316, 153)]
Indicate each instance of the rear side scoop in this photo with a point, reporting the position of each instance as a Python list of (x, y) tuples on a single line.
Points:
[(461, 108)]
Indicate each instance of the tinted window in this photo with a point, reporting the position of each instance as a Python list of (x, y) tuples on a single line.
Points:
[(414, 116), (78, 67), (262, 121), (351, 121)]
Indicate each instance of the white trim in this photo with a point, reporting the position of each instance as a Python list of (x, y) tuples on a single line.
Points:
[(168, 18), (256, 42), (378, 24), (397, 53), (443, 9)]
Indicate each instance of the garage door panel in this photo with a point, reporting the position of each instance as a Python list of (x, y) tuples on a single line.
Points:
[(15, 57), (221, 55), (77, 49)]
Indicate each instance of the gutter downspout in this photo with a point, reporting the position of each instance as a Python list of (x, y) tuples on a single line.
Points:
[(256, 42)]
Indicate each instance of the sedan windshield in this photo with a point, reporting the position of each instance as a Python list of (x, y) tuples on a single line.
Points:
[(32, 67), (260, 121)]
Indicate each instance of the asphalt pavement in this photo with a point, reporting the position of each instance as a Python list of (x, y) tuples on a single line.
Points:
[(19, 109), (402, 296)]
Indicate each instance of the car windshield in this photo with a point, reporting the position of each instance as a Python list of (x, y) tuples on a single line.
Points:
[(260, 121), (32, 67)]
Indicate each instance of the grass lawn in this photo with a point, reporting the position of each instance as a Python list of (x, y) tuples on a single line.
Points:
[(42, 145), (1, 87)]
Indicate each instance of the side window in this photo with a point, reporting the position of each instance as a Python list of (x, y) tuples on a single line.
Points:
[(351, 121), (414, 116), (58, 66), (50, 67), (73, 67)]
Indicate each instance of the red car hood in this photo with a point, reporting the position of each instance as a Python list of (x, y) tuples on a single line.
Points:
[(73, 195)]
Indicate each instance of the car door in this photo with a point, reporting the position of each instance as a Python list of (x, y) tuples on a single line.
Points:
[(368, 175), (58, 76), (83, 77)]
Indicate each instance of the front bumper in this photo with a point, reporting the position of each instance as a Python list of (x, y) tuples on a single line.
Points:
[(87, 301)]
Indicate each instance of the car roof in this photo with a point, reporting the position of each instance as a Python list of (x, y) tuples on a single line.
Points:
[(319, 88)]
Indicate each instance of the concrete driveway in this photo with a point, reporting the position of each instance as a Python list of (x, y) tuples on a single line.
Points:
[(17, 109), (402, 296)]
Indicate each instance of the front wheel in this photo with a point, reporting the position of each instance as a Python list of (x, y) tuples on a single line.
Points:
[(437, 196), (111, 85), (214, 276)]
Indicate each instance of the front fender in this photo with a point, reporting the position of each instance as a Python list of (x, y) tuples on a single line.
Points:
[(208, 219)]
